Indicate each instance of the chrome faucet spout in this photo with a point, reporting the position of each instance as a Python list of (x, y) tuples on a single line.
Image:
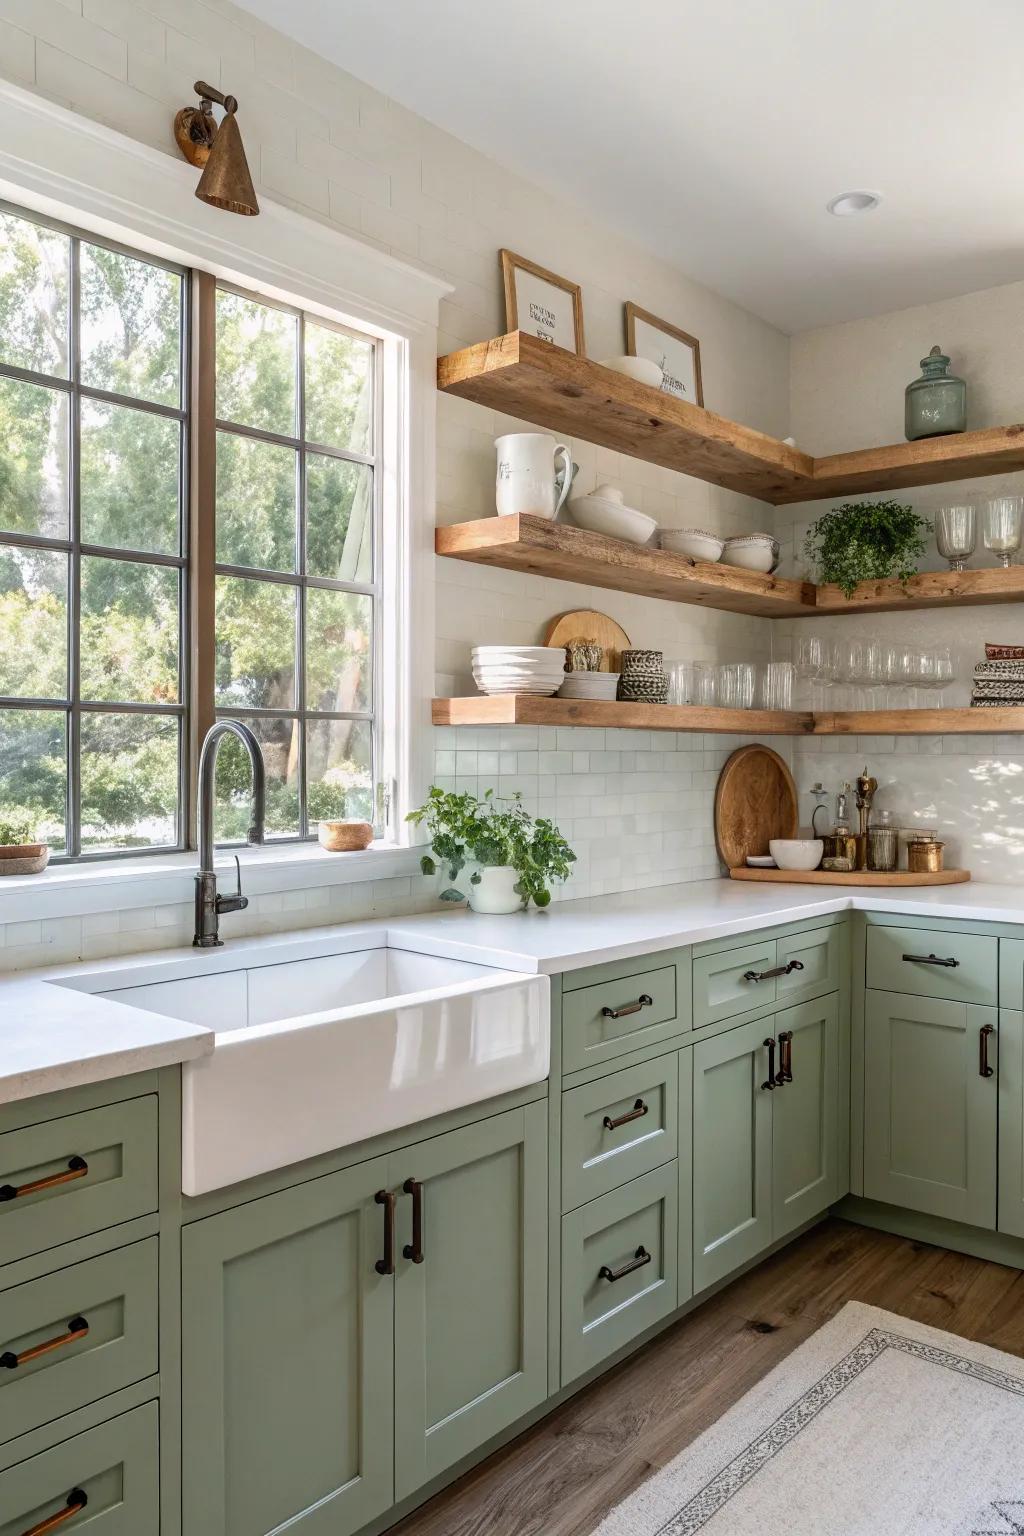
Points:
[(209, 905)]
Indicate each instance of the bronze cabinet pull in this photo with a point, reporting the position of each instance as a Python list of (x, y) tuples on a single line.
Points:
[(643, 1001), (386, 1198), (984, 1070), (77, 1500), (639, 1259), (933, 960), (77, 1329), (779, 970), (636, 1113), (414, 1250), (785, 1072), (77, 1169), (769, 1082)]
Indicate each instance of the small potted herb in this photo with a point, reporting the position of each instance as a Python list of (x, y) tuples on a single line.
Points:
[(20, 852), (513, 858), (866, 541)]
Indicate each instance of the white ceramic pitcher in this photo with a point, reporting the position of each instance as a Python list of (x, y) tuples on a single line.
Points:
[(526, 474)]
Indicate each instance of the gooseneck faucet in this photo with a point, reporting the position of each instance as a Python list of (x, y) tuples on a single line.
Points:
[(209, 905)]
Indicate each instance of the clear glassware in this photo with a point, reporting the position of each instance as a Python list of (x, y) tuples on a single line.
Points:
[(705, 683), (736, 685), (956, 533), (1002, 525), (945, 670), (777, 685), (883, 842), (681, 682)]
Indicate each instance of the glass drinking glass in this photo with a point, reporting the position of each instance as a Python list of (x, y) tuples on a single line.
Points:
[(1002, 526), (736, 685), (945, 670), (956, 533), (777, 685), (705, 684), (681, 682)]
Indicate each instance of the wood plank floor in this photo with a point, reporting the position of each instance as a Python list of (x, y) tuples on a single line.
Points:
[(563, 1476)]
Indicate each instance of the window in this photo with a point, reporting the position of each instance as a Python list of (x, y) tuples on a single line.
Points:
[(93, 449)]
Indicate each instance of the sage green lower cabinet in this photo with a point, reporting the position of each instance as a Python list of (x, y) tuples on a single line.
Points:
[(805, 1109), (110, 1474), (288, 1362), (471, 1318), (930, 1117), (1011, 1122), (732, 1151)]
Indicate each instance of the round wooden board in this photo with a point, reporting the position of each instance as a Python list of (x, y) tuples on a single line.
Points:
[(588, 624), (755, 799), (853, 877)]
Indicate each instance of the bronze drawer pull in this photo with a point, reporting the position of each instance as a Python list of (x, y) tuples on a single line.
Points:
[(785, 1072), (639, 1259), (636, 1113), (780, 970), (386, 1198), (77, 1169), (984, 1070), (769, 1082), (643, 1001), (77, 1500), (933, 960), (77, 1329), (414, 1250)]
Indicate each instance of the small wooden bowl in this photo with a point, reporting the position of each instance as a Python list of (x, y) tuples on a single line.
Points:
[(24, 859), (344, 836)]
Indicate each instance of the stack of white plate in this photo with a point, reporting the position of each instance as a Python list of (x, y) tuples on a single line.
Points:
[(518, 668), (589, 685)]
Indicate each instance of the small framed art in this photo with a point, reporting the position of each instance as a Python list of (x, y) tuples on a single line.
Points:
[(542, 303), (676, 352)]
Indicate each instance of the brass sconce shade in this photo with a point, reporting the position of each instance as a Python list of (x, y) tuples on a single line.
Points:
[(225, 182)]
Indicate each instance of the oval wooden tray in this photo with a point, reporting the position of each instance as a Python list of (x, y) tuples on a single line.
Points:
[(854, 877)]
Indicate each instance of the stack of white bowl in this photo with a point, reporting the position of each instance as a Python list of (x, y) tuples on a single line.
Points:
[(589, 685), (518, 668)]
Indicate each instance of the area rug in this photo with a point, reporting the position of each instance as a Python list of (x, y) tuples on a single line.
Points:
[(876, 1426)]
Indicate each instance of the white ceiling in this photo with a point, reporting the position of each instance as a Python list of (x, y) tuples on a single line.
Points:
[(716, 130)]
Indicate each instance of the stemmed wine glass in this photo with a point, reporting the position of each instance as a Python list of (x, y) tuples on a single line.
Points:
[(956, 533)]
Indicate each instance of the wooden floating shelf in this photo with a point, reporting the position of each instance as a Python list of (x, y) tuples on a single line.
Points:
[(533, 709), (523, 376), (852, 877), (565, 553)]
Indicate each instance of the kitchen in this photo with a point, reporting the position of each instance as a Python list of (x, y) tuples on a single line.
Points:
[(397, 1206)]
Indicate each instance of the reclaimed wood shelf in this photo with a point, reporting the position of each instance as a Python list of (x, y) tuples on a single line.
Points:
[(523, 376), (544, 548), (534, 709), (929, 589), (852, 877)]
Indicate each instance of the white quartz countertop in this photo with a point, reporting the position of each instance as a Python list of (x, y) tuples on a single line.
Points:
[(53, 1037)]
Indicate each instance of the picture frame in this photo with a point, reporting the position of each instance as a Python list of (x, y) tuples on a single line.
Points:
[(542, 303), (675, 351)]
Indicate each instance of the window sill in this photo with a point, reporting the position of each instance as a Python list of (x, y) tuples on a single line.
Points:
[(70, 890)]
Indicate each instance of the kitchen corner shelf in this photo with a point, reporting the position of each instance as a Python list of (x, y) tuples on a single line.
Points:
[(533, 709), (523, 376)]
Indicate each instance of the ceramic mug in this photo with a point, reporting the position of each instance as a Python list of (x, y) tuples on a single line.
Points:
[(526, 474)]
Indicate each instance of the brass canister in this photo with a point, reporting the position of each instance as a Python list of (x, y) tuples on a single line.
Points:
[(839, 852), (924, 856)]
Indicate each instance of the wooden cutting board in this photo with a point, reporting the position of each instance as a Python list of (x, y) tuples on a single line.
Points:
[(853, 877), (755, 800), (588, 624)]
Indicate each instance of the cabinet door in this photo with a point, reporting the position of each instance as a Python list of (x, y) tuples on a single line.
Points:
[(732, 1151), (815, 958), (288, 1361), (805, 1126), (471, 1318), (929, 1115), (1011, 1120)]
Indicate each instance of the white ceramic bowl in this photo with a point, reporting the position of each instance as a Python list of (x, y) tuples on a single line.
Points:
[(517, 652), (752, 552), (796, 852), (601, 515), (642, 369), (695, 543), (589, 685)]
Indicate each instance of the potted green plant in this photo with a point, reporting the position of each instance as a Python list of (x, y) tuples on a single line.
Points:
[(866, 541), (20, 852), (513, 858)]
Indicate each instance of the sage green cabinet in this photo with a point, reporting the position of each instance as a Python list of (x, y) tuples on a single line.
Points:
[(619, 1127), (928, 962), (471, 1318), (619, 1015), (104, 1481), (1011, 1122), (288, 1362), (930, 1117), (805, 1115)]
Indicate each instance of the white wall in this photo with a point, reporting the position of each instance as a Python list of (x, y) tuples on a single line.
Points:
[(847, 392)]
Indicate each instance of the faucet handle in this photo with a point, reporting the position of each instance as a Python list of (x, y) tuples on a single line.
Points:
[(237, 902)]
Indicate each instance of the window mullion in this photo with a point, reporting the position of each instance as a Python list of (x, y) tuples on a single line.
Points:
[(74, 607), (300, 551), (202, 531)]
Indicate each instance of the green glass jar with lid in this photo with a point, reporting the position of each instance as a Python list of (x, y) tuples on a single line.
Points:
[(936, 403)]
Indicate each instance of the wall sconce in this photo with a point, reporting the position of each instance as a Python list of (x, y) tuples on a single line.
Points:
[(225, 182)]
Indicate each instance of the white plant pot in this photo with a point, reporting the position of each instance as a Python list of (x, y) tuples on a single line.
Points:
[(496, 892)]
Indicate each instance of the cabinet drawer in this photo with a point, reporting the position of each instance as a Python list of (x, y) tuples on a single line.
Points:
[(903, 960), (72, 1337), (814, 958), (605, 1303), (647, 1009), (618, 1128), (109, 1476), (723, 984), (65, 1178)]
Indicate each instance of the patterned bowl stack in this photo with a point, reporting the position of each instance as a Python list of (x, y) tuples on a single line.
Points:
[(643, 679), (999, 679)]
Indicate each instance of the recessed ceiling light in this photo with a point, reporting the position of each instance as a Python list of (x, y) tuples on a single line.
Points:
[(849, 203)]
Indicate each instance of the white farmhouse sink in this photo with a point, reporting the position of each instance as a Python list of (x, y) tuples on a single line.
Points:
[(323, 1043)]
